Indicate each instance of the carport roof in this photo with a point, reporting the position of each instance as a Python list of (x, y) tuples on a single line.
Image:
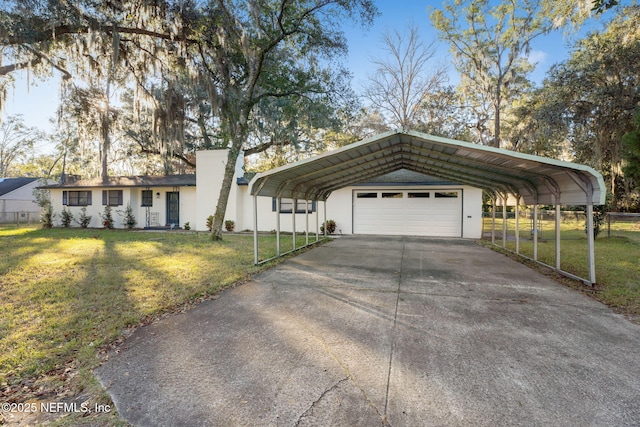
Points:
[(538, 180)]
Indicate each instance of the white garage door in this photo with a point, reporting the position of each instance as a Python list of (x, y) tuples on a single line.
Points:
[(435, 213)]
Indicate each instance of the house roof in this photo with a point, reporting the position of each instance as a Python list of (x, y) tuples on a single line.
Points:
[(538, 180), (186, 180), (7, 185)]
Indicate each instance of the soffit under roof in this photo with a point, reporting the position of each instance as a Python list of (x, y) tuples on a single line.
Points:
[(538, 180)]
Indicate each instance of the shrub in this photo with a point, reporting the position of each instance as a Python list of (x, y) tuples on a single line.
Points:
[(46, 216), (331, 226), (43, 199), (84, 219), (107, 218), (66, 217), (598, 219), (129, 218), (210, 222), (229, 225), (187, 226)]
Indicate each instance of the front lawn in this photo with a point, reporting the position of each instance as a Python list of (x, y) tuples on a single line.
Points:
[(65, 295)]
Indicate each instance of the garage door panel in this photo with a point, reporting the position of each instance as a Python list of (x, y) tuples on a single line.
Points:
[(408, 212)]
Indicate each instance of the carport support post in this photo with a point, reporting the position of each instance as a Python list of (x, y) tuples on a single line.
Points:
[(293, 221), (591, 255), (278, 204), (504, 220), (558, 237), (493, 220), (535, 232), (325, 218), (317, 223), (306, 218), (518, 224), (255, 229)]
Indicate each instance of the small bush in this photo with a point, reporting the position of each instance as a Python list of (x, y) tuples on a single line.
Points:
[(107, 218), (187, 226), (84, 220), (46, 216), (43, 199), (331, 226), (229, 225), (599, 215), (66, 218), (210, 222), (129, 218)]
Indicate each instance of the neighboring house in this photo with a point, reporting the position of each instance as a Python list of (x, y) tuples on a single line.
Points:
[(401, 202), (17, 202)]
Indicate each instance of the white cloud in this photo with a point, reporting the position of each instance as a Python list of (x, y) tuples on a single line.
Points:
[(537, 57)]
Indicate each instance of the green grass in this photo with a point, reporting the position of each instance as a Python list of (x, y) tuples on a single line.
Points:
[(66, 294), (617, 257)]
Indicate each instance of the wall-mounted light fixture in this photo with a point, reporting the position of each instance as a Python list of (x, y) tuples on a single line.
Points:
[(157, 195)]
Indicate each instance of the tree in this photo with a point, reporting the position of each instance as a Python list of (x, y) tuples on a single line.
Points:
[(631, 141), (239, 53), (600, 6), (401, 80), (271, 50), (442, 113), (16, 141), (589, 100), (83, 40), (490, 43)]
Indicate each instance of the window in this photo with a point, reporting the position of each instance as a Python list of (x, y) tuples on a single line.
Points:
[(446, 194), (76, 198), (367, 195), (392, 195), (147, 198), (286, 206), (418, 195), (112, 197)]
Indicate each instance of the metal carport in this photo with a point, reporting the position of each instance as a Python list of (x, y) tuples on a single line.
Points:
[(531, 180)]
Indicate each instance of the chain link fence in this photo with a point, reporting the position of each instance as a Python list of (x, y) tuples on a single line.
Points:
[(622, 222), (611, 224), (25, 218)]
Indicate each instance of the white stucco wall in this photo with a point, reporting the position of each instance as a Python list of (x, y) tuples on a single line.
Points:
[(133, 196), (210, 166), (188, 204), (340, 208), (197, 203), (267, 218), (472, 213)]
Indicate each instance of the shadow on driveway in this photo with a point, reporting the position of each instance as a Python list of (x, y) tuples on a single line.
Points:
[(400, 331)]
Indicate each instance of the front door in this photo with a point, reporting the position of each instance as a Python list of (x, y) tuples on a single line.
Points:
[(173, 208)]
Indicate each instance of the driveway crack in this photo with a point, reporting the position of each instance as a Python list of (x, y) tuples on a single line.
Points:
[(319, 399)]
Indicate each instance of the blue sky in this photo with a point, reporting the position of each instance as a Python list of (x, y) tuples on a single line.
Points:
[(38, 102), (399, 14)]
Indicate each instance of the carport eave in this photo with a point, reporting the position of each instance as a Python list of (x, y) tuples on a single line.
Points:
[(535, 170)]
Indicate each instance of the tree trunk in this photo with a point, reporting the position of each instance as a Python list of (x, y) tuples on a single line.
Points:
[(106, 143), (496, 122), (223, 197)]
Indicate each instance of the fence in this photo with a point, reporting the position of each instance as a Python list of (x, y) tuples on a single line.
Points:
[(622, 221), (613, 223), (20, 218), (559, 245)]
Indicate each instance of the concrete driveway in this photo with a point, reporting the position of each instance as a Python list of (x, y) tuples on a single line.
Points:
[(371, 331)]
